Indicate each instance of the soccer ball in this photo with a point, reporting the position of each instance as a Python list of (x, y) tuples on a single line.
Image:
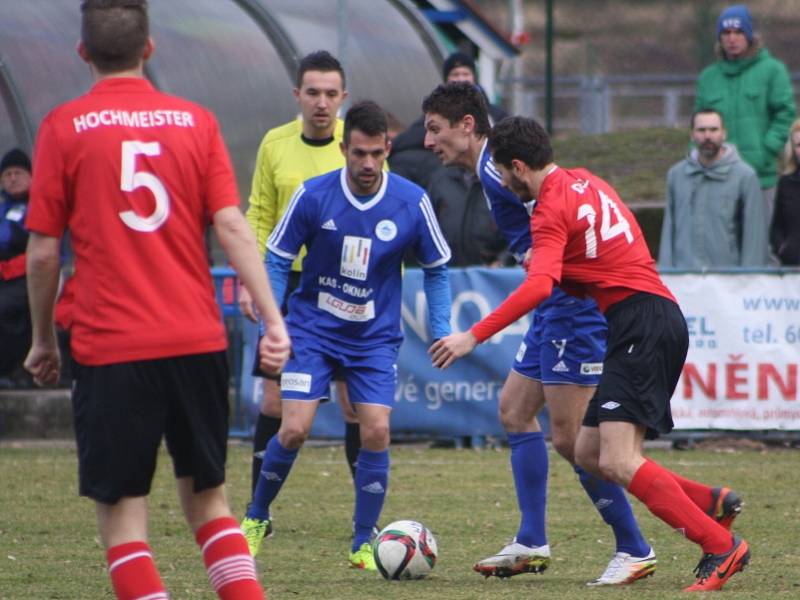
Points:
[(405, 550)]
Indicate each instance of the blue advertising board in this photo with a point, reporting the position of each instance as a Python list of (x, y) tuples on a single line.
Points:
[(459, 401)]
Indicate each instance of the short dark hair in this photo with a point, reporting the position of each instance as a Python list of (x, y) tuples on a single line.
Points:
[(114, 33), (319, 60), (456, 100), (522, 139), (706, 111), (367, 117)]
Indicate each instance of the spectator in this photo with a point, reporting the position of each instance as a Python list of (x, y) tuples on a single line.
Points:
[(15, 323), (714, 215), (455, 192), (752, 91), (465, 218), (784, 232)]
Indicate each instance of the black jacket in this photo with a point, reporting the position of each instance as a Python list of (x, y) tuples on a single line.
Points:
[(464, 217), (784, 232)]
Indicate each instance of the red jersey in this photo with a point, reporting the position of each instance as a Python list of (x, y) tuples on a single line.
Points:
[(136, 176), (586, 240)]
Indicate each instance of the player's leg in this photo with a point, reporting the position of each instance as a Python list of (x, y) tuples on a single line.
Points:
[(520, 401), (352, 430), (267, 425), (721, 503), (269, 416), (197, 438), (230, 567), (648, 341), (305, 381), (633, 557), (371, 381), (119, 422)]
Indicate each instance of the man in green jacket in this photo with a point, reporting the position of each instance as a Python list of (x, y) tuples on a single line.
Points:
[(715, 214), (752, 91)]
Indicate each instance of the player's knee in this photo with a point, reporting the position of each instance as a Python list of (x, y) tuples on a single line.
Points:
[(292, 435), (564, 444), (511, 415), (612, 468), (375, 437)]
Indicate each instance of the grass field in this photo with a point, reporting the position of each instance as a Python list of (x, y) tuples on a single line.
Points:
[(49, 548)]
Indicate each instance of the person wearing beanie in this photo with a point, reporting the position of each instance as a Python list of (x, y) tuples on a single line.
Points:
[(15, 324), (752, 91), (459, 67)]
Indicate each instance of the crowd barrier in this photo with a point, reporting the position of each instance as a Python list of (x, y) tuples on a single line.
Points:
[(741, 372)]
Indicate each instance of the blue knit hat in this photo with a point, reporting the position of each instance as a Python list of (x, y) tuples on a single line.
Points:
[(736, 17)]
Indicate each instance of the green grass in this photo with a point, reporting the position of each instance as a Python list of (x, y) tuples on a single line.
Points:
[(634, 162), (49, 547)]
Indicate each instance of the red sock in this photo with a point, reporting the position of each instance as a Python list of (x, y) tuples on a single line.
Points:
[(133, 572), (698, 493), (655, 486), (231, 569)]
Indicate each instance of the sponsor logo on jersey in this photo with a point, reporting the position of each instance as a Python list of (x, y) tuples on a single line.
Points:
[(354, 290), (296, 382), (324, 281), (560, 367), (348, 311), (386, 230), (523, 348), (611, 405), (592, 368), (374, 488), (355, 257), (329, 225)]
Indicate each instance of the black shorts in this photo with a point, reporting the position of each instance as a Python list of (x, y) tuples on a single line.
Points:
[(647, 345), (123, 410), (291, 286)]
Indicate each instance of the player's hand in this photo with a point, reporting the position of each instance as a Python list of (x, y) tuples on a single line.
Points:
[(446, 351), (526, 260), (44, 363), (274, 348), (246, 304)]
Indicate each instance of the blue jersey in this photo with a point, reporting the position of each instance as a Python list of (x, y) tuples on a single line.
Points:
[(513, 218), (350, 288)]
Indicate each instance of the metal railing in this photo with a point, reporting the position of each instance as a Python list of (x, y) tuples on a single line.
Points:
[(595, 104)]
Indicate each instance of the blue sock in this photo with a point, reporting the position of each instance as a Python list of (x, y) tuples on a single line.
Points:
[(611, 502), (278, 462), (372, 479), (529, 464)]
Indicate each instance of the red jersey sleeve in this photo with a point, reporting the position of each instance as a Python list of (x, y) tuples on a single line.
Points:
[(48, 210), (221, 190), (549, 232)]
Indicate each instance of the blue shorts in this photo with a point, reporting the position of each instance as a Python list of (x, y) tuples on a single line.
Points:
[(564, 346), (371, 376)]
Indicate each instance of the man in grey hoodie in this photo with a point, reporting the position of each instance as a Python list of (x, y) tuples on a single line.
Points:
[(715, 215)]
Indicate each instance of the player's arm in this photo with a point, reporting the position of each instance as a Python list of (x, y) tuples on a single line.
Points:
[(436, 284), (535, 290), (239, 243), (261, 213), (550, 228), (43, 266)]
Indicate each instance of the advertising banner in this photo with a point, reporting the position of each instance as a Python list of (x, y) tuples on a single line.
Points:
[(741, 371), (744, 349)]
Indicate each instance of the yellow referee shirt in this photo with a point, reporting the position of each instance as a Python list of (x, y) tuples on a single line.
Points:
[(284, 161)]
